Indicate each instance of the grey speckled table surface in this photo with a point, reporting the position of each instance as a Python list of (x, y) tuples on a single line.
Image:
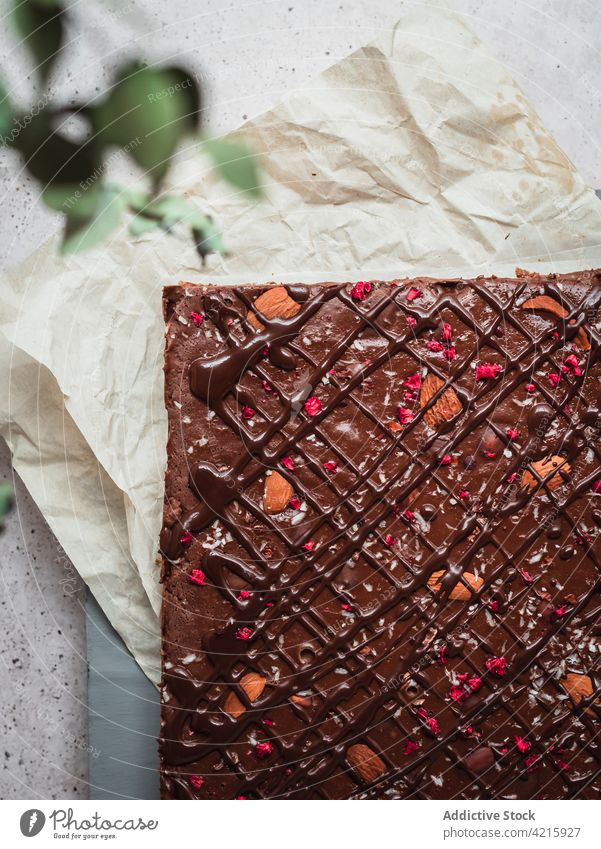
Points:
[(248, 55)]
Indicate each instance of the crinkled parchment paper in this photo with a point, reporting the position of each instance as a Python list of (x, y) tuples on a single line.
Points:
[(417, 154)]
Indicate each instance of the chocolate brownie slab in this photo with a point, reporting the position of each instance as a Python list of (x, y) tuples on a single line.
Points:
[(380, 545)]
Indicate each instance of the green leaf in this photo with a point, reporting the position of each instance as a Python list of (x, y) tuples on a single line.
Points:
[(140, 225), (235, 163), (147, 112), (6, 498), (6, 115), (72, 199), (55, 160), (81, 234), (136, 200), (207, 238), (40, 25)]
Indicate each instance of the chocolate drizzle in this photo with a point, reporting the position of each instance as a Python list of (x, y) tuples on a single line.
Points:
[(391, 639)]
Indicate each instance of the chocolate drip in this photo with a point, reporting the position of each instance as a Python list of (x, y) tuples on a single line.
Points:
[(411, 618)]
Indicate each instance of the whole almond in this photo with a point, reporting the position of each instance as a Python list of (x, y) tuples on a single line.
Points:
[(274, 303), (579, 687), (253, 685), (447, 406), (459, 591), (365, 762), (547, 304), (302, 701), (544, 468), (277, 493), (434, 580)]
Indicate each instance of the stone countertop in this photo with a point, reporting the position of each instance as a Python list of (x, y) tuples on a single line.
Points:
[(247, 55)]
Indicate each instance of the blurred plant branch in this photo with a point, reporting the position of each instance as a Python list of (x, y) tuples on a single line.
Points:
[(145, 114)]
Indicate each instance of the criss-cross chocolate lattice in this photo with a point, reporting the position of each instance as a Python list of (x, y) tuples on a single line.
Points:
[(422, 618)]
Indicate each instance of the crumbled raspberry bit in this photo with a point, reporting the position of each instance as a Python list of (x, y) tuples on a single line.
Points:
[(583, 538), (197, 318), (596, 487), (197, 576), (512, 477), (267, 722), (526, 576), (294, 503), (408, 515), (464, 494), (196, 781), (494, 606), (554, 378), (186, 538), (389, 539), (467, 685), (243, 595), (560, 611), (287, 462), (523, 745), (447, 332), (530, 387), (562, 764), (445, 460), (330, 466), (458, 694), (490, 454), (571, 364), (486, 371), (312, 406), (450, 353), (405, 415), (497, 665), (263, 749), (530, 762), (410, 747), (344, 605), (414, 293), (244, 633), (266, 385), (360, 290), (411, 321), (309, 545), (247, 413), (433, 725), (442, 654), (265, 352), (512, 433), (413, 382), (241, 797), (435, 345)]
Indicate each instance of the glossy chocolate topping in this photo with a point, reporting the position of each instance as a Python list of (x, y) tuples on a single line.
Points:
[(380, 547)]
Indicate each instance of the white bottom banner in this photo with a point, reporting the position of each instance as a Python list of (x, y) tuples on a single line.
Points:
[(289, 824)]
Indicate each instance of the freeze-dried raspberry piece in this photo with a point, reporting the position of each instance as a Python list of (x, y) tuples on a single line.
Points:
[(488, 371), (360, 290), (197, 576), (312, 406)]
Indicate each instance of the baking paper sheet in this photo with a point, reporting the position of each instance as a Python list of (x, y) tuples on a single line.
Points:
[(416, 154)]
